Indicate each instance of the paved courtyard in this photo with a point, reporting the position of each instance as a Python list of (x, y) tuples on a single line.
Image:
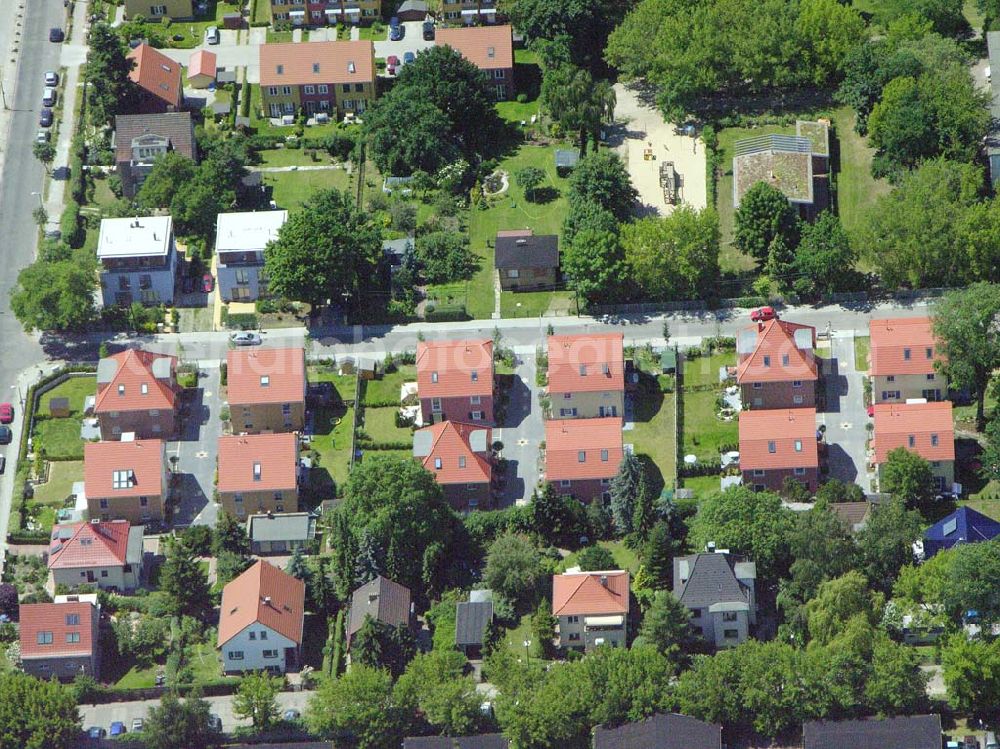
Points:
[(523, 431), (845, 417), (197, 449)]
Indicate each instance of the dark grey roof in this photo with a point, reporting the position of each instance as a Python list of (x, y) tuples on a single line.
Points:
[(383, 600), (853, 514), (177, 126), (284, 526), (567, 158), (471, 620), (428, 742), (483, 741), (709, 580), (907, 732), (532, 251), (413, 5), (662, 731)]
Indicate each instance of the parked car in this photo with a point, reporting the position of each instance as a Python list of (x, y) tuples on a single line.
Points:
[(5, 435), (246, 338), (96, 732), (49, 96), (391, 64), (207, 283), (117, 728), (408, 57), (762, 314), (56, 34), (43, 136), (45, 117), (395, 29), (51, 78), (428, 28), (137, 724), (215, 722), (291, 714), (6, 413), (212, 35)]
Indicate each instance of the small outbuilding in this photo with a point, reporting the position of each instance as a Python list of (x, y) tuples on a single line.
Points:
[(471, 621), (201, 69), (668, 360), (412, 10), (566, 161)]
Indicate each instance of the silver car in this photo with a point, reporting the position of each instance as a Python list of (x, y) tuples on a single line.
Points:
[(49, 96), (212, 35), (246, 338), (51, 78)]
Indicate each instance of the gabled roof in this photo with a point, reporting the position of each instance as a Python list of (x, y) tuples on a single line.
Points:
[(471, 620), (965, 525), (135, 380), (61, 622), (853, 514), (902, 346), (586, 363), (131, 468), (780, 438), (258, 462), (454, 452), (526, 251), (267, 375), (284, 526), (661, 731), (486, 47), (905, 732), (926, 429), (296, 64), (578, 449), (263, 595), (590, 593), (481, 741), (703, 580), (156, 74), (177, 127), (776, 351), (383, 600), (100, 544), (202, 62), (455, 369)]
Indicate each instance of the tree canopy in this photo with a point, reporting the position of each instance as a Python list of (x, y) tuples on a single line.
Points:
[(56, 295), (36, 714), (358, 707), (177, 724)]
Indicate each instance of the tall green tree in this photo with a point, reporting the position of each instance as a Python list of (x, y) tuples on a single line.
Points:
[(946, 16), (56, 296), (601, 178), (379, 645), (658, 555), (836, 603), (577, 102), (405, 134), (624, 489), (184, 582), (763, 216), (359, 708), (594, 265), (885, 544), (581, 27), (971, 670), (256, 699), (907, 476), (557, 519), (514, 570), (176, 724), (595, 557), (36, 714), (896, 684), (436, 687), (529, 178), (825, 258), (666, 626), (107, 71)]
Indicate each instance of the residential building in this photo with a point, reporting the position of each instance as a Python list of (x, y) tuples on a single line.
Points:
[(923, 428), (137, 393), (718, 588), (267, 389), (105, 554), (140, 139), (776, 365), (126, 480), (902, 361), (156, 10), (240, 239), (460, 456), (479, 741), (526, 262), (469, 12), (472, 618), (258, 473), (489, 48), (592, 609), (779, 444), (202, 68), (333, 77), (412, 10), (280, 534), (964, 526), (854, 515), (455, 381), (327, 12), (261, 620), (902, 732), (138, 260), (587, 375), (661, 731), (582, 456), (384, 601), (62, 638), (157, 79)]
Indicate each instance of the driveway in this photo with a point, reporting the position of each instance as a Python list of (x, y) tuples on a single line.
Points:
[(229, 54), (412, 41), (197, 449), (522, 432), (845, 417)]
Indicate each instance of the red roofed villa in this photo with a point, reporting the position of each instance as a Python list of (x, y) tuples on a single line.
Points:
[(461, 458), (926, 429), (125, 480), (267, 389), (582, 456), (592, 608), (455, 380), (901, 361), (158, 79), (61, 639), (108, 555), (137, 393), (258, 473), (779, 444), (587, 375), (776, 365)]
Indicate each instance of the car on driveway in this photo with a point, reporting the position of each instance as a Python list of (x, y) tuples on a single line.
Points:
[(215, 722), (207, 283), (6, 413), (428, 29), (45, 117), (763, 314), (395, 29), (49, 96), (246, 338), (391, 64), (96, 732), (291, 714), (137, 724), (212, 35), (408, 57), (56, 34), (51, 78), (117, 728)]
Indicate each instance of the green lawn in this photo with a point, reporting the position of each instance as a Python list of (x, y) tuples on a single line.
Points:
[(275, 37), (343, 384), (293, 157), (702, 485), (704, 433), (654, 433), (262, 11), (625, 558), (965, 416), (332, 444), (75, 388), (194, 31), (528, 74), (291, 189), (534, 303), (862, 345), (386, 388), (516, 637), (60, 438), (62, 475), (704, 370), (374, 33), (397, 454), (380, 425)]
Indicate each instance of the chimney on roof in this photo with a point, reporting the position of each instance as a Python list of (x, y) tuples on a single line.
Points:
[(267, 600), (604, 580)]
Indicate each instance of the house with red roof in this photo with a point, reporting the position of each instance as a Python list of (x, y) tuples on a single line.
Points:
[(455, 380), (778, 444), (202, 68), (261, 620), (258, 473), (902, 361), (267, 389), (105, 554), (776, 365), (923, 428), (586, 375), (582, 456), (125, 480), (62, 638), (489, 48), (137, 393), (460, 456), (157, 79), (592, 609)]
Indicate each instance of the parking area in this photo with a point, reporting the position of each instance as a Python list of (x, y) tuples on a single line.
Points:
[(845, 416), (412, 41), (522, 432), (193, 456)]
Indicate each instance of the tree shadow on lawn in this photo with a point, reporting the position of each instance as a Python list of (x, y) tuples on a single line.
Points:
[(543, 195), (648, 398)]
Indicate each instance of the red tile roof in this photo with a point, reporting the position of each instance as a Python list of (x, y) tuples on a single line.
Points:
[(791, 431), (566, 439), (897, 423), (486, 47), (263, 595), (277, 456), (134, 387), (53, 618), (902, 347), (586, 363), (269, 375), (584, 593), (123, 469), (202, 62), (79, 545), (775, 356), (450, 445), (317, 62), (156, 74), (455, 369)]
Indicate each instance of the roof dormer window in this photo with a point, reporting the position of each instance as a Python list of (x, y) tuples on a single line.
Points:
[(798, 446), (122, 479), (437, 464), (772, 446), (121, 390), (256, 471), (934, 440), (475, 376), (929, 352), (280, 70), (604, 456), (491, 52), (784, 360), (583, 370), (265, 381), (351, 68), (461, 461), (581, 456), (911, 441), (434, 377), (144, 388), (315, 67), (767, 361)]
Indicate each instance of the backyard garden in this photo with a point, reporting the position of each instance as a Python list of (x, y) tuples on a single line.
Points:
[(333, 425), (708, 429), (653, 431)]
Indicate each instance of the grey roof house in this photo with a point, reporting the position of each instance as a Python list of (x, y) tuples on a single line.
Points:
[(904, 732), (471, 620), (412, 10), (383, 600), (141, 138), (718, 588), (525, 261), (661, 731), (482, 741), (281, 533)]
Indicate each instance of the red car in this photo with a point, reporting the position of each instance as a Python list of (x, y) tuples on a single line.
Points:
[(391, 64), (207, 283), (763, 314), (6, 413)]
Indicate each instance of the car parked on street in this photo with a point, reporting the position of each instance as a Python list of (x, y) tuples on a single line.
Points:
[(212, 35), (207, 283), (763, 314), (43, 136), (137, 724), (246, 338), (96, 732), (56, 34), (51, 78), (6, 413), (45, 117), (49, 96), (291, 714), (5, 435)]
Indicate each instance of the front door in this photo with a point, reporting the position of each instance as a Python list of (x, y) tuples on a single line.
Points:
[(90, 577)]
